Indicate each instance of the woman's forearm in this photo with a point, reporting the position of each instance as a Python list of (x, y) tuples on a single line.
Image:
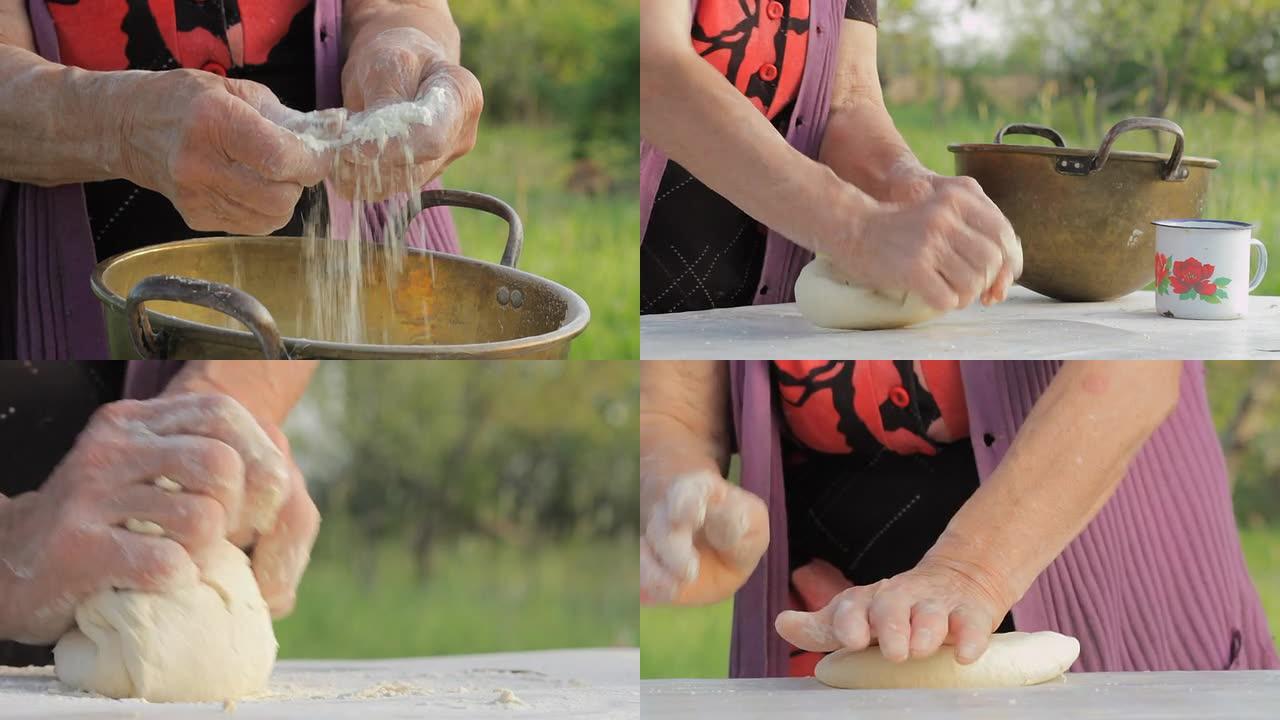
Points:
[(684, 429), (60, 124), (880, 154), (701, 121), (1066, 461), (861, 143), (364, 19), (267, 389)]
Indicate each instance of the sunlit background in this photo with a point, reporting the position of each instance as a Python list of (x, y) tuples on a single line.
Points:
[(558, 142), (468, 507)]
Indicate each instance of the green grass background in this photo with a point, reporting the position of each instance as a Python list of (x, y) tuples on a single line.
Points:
[(1246, 186), (479, 597), (588, 244), (694, 642)]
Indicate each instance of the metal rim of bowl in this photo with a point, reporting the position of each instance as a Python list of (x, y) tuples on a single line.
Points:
[(577, 315), (1049, 150)]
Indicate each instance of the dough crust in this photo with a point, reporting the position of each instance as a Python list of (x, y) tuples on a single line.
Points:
[(1011, 660), (828, 300), (209, 642)]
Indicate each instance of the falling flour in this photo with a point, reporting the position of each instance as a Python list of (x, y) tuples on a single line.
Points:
[(336, 272)]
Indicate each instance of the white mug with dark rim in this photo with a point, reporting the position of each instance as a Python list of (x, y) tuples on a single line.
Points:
[(1202, 268)]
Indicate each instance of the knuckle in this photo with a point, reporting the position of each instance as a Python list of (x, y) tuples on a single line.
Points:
[(204, 520), (220, 461)]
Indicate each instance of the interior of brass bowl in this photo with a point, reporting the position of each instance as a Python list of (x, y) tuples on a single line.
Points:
[(436, 299)]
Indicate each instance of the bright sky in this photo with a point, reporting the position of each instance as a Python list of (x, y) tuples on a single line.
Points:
[(962, 28)]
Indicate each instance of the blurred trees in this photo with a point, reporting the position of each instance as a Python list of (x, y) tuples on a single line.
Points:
[(1245, 399), (426, 453), (1104, 56), (572, 62)]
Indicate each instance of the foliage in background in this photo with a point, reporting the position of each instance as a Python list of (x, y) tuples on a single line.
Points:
[(558, 141), (575, 62), (468, 507), (426, 454)]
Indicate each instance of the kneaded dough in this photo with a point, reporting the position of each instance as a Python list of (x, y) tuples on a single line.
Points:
[(1012, 659), (212, 641), (828, 300)]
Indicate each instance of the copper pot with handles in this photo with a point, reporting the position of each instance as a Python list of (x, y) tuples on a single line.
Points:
[(1084, 215)]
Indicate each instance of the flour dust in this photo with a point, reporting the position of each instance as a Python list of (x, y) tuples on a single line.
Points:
[(340, 262)]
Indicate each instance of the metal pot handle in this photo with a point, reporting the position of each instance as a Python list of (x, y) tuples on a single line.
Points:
[(1043, 131), (489, 204), (1173, 170), (213, 295)]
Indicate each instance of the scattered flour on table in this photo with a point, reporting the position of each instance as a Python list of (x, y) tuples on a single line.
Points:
[(508, 698)]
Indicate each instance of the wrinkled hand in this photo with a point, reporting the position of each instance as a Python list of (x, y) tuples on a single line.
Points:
[(207, 144), (281, 554), (909, 615), (703, 537), (68, 540), (398, 66), (940, 237)]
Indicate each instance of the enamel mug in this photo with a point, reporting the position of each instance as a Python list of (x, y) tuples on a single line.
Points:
[(1202, 268)]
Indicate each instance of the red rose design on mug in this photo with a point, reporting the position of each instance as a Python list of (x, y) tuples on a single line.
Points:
[(1162, 273), (1189, 279)]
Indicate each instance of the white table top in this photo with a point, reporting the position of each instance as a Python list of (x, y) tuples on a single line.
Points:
[(1240, 695), (1027, 326), (529, 685)]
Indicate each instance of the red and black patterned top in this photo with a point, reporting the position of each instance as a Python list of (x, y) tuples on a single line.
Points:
[(700, 251), (267, 41)]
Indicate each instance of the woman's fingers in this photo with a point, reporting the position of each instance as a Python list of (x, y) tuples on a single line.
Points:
[(193, 521), (281, 555), (672, 544), (850, 622), (890, 618), (657, 584), (811, 631), (928, 628), (221, 418), (970, 631)]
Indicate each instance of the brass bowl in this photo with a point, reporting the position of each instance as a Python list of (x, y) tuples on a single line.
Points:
[(177, 300), (1084, 216)]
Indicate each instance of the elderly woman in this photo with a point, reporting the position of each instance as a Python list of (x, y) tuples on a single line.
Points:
[(766, 139), (125, 124), (915, 504), (81, 461)]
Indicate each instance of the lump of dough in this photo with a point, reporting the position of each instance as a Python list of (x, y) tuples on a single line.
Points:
[(828, 300), (1011, 660), (209, 642)]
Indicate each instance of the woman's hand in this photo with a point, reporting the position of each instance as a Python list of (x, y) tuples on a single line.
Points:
[(703, 537), (210, 145), (950, 247), (282, 552), (401, 65), (68, 540), (267, 390), (909, 615)]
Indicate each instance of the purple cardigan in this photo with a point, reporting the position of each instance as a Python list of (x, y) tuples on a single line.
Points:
[(1157, 581), (56, 315), (783, 259)]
